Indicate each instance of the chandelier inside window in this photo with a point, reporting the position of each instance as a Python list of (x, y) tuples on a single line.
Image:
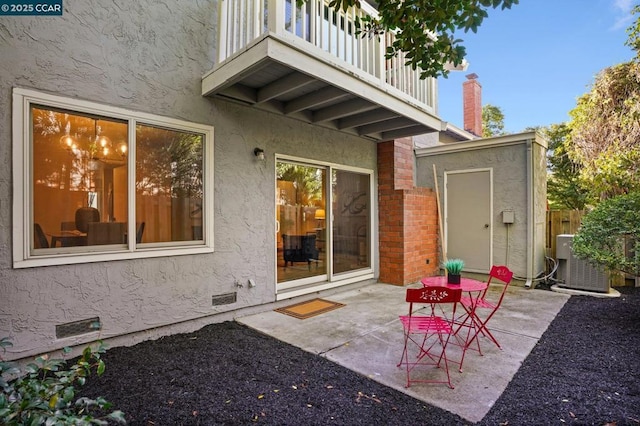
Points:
[(94, 145)]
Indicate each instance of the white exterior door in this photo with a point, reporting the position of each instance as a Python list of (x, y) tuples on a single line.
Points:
[(468, 213)]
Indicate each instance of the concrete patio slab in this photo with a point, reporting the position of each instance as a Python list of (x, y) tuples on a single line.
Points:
[(366, 336)]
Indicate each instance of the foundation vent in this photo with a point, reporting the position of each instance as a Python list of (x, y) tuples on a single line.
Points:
[(78, 327), (224, 299)]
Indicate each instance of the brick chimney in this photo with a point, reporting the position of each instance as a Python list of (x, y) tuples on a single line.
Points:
[(472, 104)]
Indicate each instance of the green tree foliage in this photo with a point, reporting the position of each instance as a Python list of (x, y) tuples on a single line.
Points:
[(171, 162), (605, 131), (564, 190), (607, 229), (416, 24), (307, 182), (604, 138), (492, 121), (615, 171), (634, 33), (605, 126)]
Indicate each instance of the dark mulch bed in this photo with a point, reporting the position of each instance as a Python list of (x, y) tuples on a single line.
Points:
[(584, 370)]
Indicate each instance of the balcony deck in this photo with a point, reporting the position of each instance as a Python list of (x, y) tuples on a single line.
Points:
[(317, 70)]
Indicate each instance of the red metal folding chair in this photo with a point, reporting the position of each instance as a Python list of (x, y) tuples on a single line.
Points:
[(471, 306), (424, 335)]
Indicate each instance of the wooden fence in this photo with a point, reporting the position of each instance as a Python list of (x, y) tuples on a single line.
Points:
[(561, 222)]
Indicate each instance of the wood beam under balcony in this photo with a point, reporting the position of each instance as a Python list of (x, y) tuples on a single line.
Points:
[(314, 99), (365, 118), (241, 93), (291, 82), (343, 109), (383, 126), (405, 132)]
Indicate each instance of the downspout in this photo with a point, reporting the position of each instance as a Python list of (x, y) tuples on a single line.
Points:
[(530, 215)]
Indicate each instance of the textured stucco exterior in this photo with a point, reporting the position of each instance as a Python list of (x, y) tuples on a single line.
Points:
[(539, 168), (149, 56), (519, 184)]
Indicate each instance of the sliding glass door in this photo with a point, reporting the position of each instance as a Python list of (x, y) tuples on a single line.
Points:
[(301, 215), (351, 193), (323, 226)]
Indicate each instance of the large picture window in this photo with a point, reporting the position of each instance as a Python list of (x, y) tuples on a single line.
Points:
[(100, 183)]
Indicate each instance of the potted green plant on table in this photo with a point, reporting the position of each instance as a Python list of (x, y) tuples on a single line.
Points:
[(454, 268)]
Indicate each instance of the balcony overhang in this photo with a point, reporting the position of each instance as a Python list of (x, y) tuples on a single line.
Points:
[(275, 74)]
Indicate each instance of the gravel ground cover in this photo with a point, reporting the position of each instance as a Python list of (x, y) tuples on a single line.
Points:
[(585, 370)]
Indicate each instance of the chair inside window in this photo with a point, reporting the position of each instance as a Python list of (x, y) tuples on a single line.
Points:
[(139, 232), (299, 248), (426, 336), (41, 240), (485, 307), (100, 233)]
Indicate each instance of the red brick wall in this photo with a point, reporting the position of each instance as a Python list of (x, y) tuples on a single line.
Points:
[(408, 217)]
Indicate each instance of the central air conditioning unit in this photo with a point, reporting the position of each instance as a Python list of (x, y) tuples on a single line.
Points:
[(576, 273)]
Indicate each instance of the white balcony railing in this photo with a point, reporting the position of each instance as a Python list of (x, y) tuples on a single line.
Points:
[(243, 21)]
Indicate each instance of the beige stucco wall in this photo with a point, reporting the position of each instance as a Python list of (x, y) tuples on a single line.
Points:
[(539, 160), (149, 56), (519, 179)]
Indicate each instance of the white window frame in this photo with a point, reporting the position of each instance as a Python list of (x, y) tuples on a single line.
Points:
[(23, 99)]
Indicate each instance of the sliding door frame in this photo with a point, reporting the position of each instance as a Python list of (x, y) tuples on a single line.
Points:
[(290, 289)]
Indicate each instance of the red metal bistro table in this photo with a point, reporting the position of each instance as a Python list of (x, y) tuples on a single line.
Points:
[(474, 288)]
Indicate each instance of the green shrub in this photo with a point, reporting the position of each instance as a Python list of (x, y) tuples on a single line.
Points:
[(606, 229), (454, 266), (44, 393)]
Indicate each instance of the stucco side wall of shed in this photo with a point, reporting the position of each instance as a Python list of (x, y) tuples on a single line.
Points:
[(539, 157), (519, 184), (149, 56)]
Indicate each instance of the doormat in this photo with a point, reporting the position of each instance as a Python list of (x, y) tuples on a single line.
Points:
[(310, 308)]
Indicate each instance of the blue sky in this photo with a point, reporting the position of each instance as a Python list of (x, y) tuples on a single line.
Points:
[(535, 59)]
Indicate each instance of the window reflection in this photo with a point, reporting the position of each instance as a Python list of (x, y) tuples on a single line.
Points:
[(351, 219), (169, 186), (79, 179)]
